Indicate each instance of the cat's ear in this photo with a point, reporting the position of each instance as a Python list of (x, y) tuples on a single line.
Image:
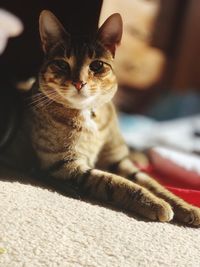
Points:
[(51, 30), (110, 33)]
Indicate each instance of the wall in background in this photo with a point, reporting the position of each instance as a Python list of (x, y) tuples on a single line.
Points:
[(23, 55)]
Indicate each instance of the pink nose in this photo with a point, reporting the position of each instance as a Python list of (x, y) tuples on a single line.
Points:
[(79, 85)]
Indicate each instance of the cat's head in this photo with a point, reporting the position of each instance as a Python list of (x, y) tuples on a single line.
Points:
[(77, 72)]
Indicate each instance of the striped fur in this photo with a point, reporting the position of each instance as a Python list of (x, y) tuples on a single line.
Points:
[(75, 134)]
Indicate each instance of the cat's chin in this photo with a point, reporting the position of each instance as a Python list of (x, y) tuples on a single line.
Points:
[(81, 102)]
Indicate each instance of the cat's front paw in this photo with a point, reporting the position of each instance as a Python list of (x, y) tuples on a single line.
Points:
[(189, 215), (164, 212)]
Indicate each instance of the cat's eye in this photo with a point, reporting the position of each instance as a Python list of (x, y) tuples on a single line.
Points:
[(61, 65), (96, 66)]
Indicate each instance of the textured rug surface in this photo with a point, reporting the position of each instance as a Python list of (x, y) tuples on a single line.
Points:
[(40, 228)]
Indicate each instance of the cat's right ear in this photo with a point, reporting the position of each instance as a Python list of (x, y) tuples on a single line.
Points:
[(110, 33), (51, 30)]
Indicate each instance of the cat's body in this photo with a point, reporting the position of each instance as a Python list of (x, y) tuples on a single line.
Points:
[(71, 125), (79, 137)]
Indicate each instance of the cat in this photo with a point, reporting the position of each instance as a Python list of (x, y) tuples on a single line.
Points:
[(72, 129)]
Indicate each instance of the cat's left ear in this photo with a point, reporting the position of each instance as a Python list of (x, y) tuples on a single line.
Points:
[(51, 30), (110, 33)]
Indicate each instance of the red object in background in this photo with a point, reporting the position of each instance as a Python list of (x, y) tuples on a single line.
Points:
[(184, 191), (182, 169)]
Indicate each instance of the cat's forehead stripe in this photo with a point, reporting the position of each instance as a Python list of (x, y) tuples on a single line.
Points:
[(79, 49), (79, 53)]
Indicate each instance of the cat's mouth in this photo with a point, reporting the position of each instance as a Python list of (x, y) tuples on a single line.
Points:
[(80, 96), (80, 99)]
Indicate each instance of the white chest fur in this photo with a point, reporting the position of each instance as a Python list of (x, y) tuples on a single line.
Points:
[(89, 122)]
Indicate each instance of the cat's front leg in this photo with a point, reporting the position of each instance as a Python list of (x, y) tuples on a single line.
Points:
[(183, 211), (124, 194), (116, 190)]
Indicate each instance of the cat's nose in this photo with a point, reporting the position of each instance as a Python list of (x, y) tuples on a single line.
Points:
[(79, 85)]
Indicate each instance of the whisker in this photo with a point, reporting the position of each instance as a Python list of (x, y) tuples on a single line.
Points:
[(42, 100), (43, 104), (34, 96), (51, 101), (35, 100)]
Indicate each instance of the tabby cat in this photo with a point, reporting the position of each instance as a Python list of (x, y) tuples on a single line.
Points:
[(72, 124)]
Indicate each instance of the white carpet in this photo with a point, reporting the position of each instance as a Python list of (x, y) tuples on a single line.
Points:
[(43, 228)]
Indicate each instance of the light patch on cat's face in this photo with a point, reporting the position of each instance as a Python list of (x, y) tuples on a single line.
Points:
[(56, 81)]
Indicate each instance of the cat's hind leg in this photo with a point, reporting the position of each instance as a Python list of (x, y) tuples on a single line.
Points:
[(183, 212)]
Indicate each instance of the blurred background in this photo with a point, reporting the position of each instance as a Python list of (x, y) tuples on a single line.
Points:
[(157, 64), (159, 55)]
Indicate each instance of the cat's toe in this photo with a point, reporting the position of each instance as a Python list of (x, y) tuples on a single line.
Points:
[(165, 212), (189, 216)]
